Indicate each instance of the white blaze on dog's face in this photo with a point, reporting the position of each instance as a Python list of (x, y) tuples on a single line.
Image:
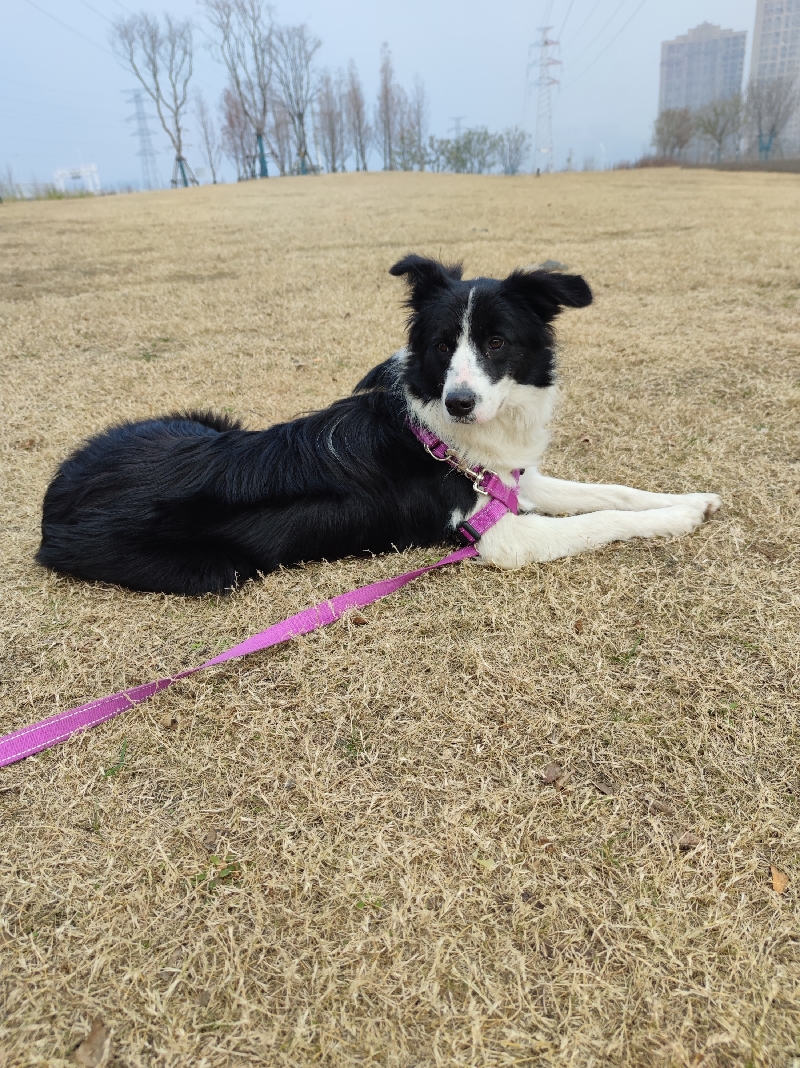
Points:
[(469, 394), (472, 344)]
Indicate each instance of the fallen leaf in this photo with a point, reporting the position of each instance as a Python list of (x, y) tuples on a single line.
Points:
[(687, 840), (95, 1050), (169, 721), (203, 998), (564, 780), (579, 626), (768, 549), (551, 773), (660, 806), (780, 880), (211, 839), (358, 619), (604, 787)]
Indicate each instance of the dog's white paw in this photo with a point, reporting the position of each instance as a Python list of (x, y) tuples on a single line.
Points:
[(679, 519), (709, 502)]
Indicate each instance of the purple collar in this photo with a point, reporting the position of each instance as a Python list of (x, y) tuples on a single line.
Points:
[(484, 481)]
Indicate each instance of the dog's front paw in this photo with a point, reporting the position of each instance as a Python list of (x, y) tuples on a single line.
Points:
[(709, 502), (679, 519)]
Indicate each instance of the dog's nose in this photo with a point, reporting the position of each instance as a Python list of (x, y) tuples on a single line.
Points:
[(460, 402)]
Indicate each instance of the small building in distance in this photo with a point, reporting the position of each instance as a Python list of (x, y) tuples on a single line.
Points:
[(705, 64), (776, 53)]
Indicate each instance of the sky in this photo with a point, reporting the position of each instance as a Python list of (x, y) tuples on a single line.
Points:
[(63, 97)]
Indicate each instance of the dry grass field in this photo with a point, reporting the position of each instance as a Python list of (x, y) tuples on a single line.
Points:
[(347, 850)]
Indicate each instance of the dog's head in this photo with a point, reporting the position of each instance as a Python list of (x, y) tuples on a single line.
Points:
[(470, 342)]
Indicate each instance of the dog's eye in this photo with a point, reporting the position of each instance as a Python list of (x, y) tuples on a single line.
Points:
[(443, 346), (496, 343)]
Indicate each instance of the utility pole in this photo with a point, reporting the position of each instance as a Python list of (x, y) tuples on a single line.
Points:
[(543, 153), (150, 176)]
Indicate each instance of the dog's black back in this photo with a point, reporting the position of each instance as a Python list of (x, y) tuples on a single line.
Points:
[(193, 503)]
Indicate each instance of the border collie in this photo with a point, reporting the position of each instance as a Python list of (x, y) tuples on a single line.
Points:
[(192, 503)]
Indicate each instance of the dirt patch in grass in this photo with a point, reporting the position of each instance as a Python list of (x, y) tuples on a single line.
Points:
[(516, 818)]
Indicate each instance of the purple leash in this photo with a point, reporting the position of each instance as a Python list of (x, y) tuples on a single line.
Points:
[(48, 732)]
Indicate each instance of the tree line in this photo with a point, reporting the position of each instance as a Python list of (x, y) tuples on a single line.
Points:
[(280, 113), (751, 124)]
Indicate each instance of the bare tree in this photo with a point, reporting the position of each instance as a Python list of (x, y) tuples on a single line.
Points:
[(281, 138), (386, 109), (359, 130), (403, 140), (720, 122), (331, 120), (244, 33), (293, 51), (211, 146), (513, 146), (161, 59), (770, 105), (416, 120), (672, 131), (237, 135)]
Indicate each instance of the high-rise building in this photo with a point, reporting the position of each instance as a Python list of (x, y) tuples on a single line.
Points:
[(776, 53), (705, 64)]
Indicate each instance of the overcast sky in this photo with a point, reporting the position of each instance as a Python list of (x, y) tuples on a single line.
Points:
[(62, 93)]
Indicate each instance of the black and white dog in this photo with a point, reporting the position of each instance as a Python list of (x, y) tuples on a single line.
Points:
[(192, 503)]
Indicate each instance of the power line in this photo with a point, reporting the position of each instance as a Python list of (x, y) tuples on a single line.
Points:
[(601, 31), (610, 43), (94, 9), (71, 28), (587, 20), (564, 23)]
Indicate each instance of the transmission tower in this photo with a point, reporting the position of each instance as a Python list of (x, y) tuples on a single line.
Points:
[(151, 179), (456, 127), (544, 99)]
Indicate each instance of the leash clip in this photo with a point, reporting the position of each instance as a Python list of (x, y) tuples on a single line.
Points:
[(451, 457), (476, 478)]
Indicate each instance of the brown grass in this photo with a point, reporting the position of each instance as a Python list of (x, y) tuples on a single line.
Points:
[(343, 851)]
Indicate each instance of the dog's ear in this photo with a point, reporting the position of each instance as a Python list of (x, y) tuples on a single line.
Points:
[(548, 292), (424, 276)]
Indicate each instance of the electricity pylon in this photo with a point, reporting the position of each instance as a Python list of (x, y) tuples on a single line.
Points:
[(150, 176), (543, 154)]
